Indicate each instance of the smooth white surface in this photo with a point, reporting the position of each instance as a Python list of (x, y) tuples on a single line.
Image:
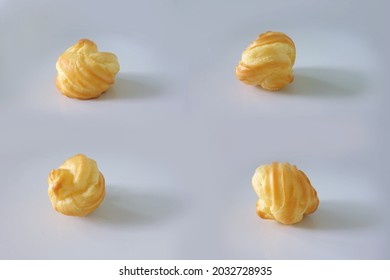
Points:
[(178, 137)]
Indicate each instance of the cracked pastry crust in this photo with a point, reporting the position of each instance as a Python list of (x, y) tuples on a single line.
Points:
[(268, 61), (83, 72), (285, 193), (77, 187)]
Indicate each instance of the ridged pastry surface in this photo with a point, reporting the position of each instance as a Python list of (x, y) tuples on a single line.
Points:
[(83, 72), (268, 61), (285, 193), (77, 187)]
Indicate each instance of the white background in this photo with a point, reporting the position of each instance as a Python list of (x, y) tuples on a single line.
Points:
[(200, 269), (178, 137)]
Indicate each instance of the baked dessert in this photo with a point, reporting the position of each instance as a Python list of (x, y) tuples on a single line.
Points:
[(285, 193), (83, 72), (268, 61), (77, 187)]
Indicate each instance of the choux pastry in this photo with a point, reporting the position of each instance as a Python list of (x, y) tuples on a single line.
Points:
[(77, 187), (285, 193), (268, 61), (83, 72)]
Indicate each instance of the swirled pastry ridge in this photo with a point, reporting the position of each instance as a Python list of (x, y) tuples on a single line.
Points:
[(268, 61), (77, 187), (83, 72), (285, 193)]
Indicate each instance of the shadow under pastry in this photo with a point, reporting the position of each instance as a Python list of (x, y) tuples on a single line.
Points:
[(135, 86), (326, 82), (340, 215), (125, 207)]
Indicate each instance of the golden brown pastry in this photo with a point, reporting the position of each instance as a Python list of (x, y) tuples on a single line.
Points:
[(77, 187), (268, 61), (285, 193), (84, 72)]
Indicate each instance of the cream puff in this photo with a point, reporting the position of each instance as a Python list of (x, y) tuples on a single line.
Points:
[(268, 61), (83, 72), (285, 193), (77, 187)]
